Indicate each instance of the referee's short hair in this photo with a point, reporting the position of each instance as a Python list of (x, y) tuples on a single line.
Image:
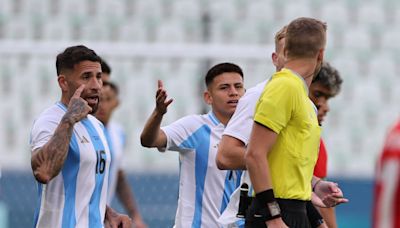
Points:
[(220, 69), (304, 38)]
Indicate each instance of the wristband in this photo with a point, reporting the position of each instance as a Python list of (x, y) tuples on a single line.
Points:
[(267, 200), (315, 185)]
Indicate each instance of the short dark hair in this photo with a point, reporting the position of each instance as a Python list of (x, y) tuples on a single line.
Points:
[(220, 69), (329, 77), (112, 85), (305, 37), (74, 55), (105, 68)]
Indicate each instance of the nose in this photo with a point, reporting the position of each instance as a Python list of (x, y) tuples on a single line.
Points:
[(95, 84), (233, 91)]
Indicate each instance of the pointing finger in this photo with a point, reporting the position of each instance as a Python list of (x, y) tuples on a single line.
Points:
[(78, 91), (160, 84)]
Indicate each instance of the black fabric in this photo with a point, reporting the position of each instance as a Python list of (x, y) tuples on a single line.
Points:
[(313, 215), (293, 212)]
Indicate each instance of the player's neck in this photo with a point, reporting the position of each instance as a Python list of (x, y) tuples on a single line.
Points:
[(222, 118)]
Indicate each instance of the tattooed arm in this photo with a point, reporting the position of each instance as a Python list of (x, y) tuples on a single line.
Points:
[(48, 160)]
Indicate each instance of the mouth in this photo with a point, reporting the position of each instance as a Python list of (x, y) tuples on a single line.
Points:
[(233, 102), (92, 100)]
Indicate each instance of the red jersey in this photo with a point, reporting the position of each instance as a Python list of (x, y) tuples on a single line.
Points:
[(320, 169), (387, 183)]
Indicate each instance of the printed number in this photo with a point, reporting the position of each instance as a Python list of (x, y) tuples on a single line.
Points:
[(101, 161)]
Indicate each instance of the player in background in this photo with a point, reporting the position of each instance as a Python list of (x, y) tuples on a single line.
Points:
[(325, 86), (386, 209), (115, 136), (204, 190)]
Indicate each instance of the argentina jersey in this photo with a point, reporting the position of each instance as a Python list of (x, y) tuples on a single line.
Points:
[(77, 196), (204, 190)]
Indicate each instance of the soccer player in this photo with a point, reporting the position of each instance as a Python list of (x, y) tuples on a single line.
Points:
[(325, 86), (116, 141), (204, 190), (386, 209), (70, 156), (284, 141)]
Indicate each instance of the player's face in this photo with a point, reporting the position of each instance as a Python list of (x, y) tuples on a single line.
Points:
[(320, 96), (278, 57), (86, 73), (108, 102), (225, 91), (105, 77)]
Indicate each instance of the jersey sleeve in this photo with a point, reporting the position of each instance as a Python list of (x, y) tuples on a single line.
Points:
[(42, 130), (177, 132), (276, 104), (239, 126)]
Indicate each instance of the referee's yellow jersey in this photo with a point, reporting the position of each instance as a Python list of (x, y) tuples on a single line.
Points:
[(285, 108)]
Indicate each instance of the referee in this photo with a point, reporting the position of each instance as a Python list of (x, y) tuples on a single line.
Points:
[(284, 142)]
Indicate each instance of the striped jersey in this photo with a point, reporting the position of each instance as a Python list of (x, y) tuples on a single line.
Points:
[(115, 136), (77, 196), (204, 190), (386, 210)]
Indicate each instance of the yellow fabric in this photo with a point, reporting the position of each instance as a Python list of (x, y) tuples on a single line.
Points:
[(285, 108)]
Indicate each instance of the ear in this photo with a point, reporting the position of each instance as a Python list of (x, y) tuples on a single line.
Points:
[(321, 54), (274, 58), (207, 97), (62, 82)]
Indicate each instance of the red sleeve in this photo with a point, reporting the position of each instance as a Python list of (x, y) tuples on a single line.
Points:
[(320, 169), (386, 208)]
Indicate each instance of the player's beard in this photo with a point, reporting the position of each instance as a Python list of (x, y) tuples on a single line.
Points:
[(94, 108)]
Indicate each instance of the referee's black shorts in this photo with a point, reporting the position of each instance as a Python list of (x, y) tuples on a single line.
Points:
[(294, 214)]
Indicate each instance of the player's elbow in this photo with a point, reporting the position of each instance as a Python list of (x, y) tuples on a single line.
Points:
[(42, 177), (145, 142), (221, 161)]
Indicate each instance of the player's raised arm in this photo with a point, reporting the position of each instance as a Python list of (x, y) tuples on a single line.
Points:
[(48, 160), (152, 135)]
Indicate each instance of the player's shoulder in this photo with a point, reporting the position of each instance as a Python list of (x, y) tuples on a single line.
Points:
[(52, 113), (254, 91)]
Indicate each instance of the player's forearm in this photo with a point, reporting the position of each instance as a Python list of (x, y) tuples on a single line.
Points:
[(329, 216), (126, 196), (230, 155), (151, 129), (48, 160)]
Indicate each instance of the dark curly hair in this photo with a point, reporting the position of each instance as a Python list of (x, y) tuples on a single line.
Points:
[(330, 78)]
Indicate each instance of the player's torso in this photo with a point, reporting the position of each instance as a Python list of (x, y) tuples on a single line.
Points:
[(200, 179), (76, 197)]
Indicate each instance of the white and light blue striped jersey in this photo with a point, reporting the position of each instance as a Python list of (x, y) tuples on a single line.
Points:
[(116, 141), (204, 190), (77, 196)]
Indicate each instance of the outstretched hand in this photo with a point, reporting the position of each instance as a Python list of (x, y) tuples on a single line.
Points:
[(328, 194), (78, 108), (161, 99)]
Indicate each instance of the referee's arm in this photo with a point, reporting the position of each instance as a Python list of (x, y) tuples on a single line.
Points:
[(261, 141)]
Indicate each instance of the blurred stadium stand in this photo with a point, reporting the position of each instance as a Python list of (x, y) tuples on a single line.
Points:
[(176, 41)]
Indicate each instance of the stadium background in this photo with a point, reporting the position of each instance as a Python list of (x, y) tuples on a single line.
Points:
[(176, 41)]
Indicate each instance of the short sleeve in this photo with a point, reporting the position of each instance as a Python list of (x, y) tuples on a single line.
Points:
[(239, 126), (276, 104), (42, 130), (177, 132)]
